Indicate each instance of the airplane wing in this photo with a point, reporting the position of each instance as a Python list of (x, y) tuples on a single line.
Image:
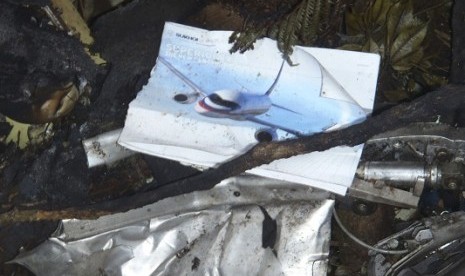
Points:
[(182, 76), (265, 123)]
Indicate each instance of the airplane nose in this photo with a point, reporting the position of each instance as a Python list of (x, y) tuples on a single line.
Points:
[(199, 107), (213, 106), (204, 108)]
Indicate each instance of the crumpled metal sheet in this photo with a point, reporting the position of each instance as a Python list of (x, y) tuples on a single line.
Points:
[(244, 226)]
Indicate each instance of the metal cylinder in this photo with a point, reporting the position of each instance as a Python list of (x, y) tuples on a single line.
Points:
[(401, 172), (104, 149)]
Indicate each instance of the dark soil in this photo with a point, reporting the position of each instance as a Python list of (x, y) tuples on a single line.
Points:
[(55, 175)]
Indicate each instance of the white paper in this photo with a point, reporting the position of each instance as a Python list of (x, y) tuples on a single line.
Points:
[(325, 89)]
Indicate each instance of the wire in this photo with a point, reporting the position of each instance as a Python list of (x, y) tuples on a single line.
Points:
[(362, 243)]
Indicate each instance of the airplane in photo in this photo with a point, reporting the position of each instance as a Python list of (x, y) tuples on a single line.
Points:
[(232, 104)]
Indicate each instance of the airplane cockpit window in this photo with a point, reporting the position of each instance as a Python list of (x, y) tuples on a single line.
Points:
[(215, 98)]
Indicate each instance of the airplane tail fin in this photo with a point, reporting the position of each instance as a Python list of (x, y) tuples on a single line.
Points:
[(268, 92)]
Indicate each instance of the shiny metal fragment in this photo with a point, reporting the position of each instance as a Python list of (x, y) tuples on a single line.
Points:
[(244, 226)]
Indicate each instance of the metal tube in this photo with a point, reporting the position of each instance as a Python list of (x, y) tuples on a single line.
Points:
[(401, 172), (104, 149)]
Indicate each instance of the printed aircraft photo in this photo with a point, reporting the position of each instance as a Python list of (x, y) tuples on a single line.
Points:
[(232, 104)]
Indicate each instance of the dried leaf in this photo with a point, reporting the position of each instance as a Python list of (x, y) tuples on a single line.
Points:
[(315, 18), (407, 43), (407, 18), (354, 26), (443, 37), (408, 62), (379, 10), (302, 25), (351, 47), (233, 37), (434, 80), (391, 29), (396, 95), (424, 64), (393, 22), (371, 47), (325, 13)]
